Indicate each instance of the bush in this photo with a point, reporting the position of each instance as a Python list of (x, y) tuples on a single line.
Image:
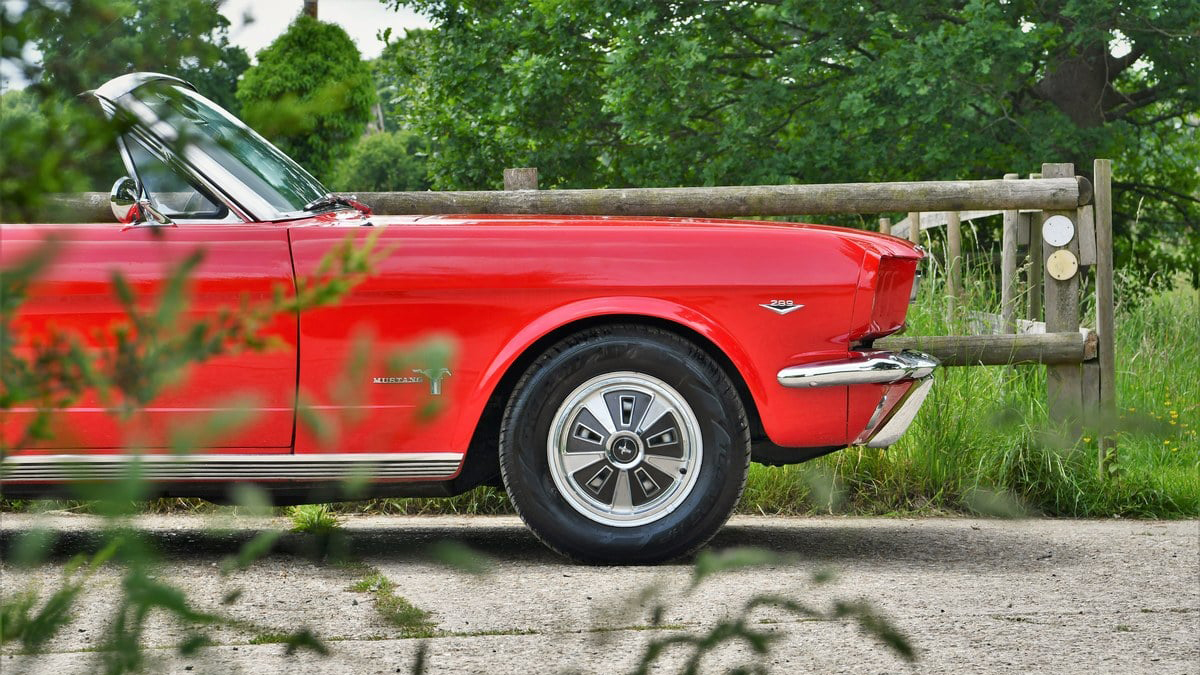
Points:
[(311, 94), (391, 160)]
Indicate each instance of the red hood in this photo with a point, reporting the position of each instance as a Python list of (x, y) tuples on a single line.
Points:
[(880, 244)]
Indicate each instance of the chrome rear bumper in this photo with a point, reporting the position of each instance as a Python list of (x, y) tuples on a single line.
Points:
[(882, 434), (874, 367)]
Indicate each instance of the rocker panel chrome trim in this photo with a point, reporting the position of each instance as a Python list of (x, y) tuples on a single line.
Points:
[(68, 467)]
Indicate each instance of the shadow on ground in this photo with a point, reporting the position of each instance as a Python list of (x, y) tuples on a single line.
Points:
[(950, 542)]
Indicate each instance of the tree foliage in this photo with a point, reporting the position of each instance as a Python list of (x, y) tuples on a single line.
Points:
[(620, 93), (56, 141), (389, 160), (326, 89), (85, 43)]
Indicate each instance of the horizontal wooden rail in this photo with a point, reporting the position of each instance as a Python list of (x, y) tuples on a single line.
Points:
[(1000, 350), (750, 200), (726, 201)]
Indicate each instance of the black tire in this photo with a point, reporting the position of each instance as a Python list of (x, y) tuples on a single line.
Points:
[(567, 511)]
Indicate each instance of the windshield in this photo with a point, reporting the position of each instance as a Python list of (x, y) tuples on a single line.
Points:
[(202, 124)]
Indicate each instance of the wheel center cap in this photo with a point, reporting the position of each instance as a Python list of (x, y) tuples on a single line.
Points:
[(625, 450)]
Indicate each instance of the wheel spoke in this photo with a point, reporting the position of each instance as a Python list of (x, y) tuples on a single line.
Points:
[(668, 465), (586, 434), (595, 405), (599, 479), (655, 411), (623, 498), (574, 461), (663, 437)]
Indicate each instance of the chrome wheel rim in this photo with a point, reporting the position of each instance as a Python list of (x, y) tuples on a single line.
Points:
[(624, 449)]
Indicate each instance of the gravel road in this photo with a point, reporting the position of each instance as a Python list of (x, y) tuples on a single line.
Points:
[(974, 596)]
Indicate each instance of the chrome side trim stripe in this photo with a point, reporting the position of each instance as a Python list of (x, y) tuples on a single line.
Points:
[(873, 367), (71, 467)]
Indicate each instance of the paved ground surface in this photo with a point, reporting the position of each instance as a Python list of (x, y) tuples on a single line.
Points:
[(975, 596)]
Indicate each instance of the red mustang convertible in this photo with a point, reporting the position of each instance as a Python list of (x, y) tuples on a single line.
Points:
[(615, 375)]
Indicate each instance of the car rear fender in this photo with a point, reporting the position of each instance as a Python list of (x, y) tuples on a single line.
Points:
[(557, 322)]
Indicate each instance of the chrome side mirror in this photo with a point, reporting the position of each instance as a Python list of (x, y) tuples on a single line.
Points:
[(123, 199), (152, 215), (129, 209)]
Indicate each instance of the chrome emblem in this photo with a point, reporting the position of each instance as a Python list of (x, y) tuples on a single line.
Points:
[(781, 306), (435, 377)]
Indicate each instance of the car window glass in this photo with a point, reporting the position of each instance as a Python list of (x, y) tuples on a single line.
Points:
[(249, 157), (170, 191)]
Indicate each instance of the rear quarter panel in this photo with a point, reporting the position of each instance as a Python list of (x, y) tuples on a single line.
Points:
[(495, 285)]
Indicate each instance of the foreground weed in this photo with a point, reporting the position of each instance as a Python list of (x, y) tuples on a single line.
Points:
[(745, 626), (395, 609), (313, 519), (152, 346)]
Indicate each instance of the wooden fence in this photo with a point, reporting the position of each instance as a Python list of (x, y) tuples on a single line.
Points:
[(1080, 364), (1081, 387)]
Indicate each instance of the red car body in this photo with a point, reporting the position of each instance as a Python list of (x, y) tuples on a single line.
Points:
[(495, 285), (786, 312)]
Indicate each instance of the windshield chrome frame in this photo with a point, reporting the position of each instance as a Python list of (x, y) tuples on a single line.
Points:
[(233, 214), (197, 165)]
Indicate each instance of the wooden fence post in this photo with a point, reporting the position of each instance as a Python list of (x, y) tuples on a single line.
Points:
[(1105, 320), (885, 225), (521, 179), (954, 257), (1034, 275), (914, 227), (1064, 385), (1008, 267)]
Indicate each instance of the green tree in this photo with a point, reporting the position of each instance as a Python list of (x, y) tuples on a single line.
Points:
[(618, 93), (85, 43), (55, 141), (389, 160), (398, 76), (315, 70)]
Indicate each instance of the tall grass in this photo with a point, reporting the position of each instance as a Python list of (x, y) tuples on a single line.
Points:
[(984, 442)]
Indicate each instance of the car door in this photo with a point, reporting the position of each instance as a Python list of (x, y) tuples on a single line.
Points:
[(242, 265), (75, 296), (365, 363)]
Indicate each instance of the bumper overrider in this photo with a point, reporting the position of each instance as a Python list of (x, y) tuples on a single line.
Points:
[(898, 405)]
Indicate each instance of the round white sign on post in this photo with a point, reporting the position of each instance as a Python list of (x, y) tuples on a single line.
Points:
[(1058, 230), (1062, 265)]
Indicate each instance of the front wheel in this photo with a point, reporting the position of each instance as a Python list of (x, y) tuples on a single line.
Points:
[(624, 444)]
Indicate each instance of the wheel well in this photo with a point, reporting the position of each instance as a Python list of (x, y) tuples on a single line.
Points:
[(482, 461)]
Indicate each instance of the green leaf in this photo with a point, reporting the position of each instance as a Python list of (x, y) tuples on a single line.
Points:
[(251, 551), (709, 563), (460, 557)]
